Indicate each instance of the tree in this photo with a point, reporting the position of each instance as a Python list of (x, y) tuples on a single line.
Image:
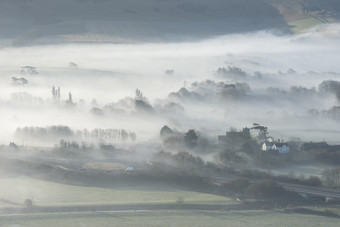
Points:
[(263, 131), (139, 95), (72, 65), (166, 132), (190, 138), (70, 98), (97, 111), (28, 203)]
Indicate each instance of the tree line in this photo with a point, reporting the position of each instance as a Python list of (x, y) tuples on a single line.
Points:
[(64, 132)]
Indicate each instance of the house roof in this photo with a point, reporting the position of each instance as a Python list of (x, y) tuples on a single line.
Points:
[(281, 144)]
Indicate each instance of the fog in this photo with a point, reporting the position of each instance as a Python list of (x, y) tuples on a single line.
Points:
[(109, 73), (134, 106)]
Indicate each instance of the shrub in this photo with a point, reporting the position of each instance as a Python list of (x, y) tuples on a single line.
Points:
[(313, 181), (237, 185), (265, 188)]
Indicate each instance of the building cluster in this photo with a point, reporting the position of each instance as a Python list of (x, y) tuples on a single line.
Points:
[(238, 140), (280, 147)]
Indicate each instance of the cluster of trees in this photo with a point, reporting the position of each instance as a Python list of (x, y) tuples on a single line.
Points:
[(233, 91), (73, 146), (327, 86), (330, 86), (76, 149), (55, 131), (181, 160), (209, 90), (19, 81), (176, 140), (106, 135), (64, 132), (69, 145), (231, 72), (332, 113), (29, 70), (293, 91), (303, 91), (186, 95), (140, 104), (26, 99)]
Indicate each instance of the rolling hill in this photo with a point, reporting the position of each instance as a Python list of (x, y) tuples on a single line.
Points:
[(26, 22)]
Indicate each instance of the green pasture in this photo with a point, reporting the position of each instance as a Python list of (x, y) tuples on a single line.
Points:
[(16, 189)]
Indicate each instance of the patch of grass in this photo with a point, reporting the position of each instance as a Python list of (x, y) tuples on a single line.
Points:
[(302, 25), (170, 218)]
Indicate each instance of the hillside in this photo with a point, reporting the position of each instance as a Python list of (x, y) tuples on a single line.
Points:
[(46, 21), (302, 15), (299, 9)]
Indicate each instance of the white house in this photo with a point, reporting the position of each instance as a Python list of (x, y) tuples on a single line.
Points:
[(282, 148), (267, 146)]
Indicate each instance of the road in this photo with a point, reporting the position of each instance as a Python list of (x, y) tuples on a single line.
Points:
[(315, 191)]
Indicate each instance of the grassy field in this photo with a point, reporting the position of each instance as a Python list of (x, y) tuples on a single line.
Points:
[(16, 189), (304, 24), (170, 218)]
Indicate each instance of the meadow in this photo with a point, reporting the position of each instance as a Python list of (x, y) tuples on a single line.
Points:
[(16, 189)]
